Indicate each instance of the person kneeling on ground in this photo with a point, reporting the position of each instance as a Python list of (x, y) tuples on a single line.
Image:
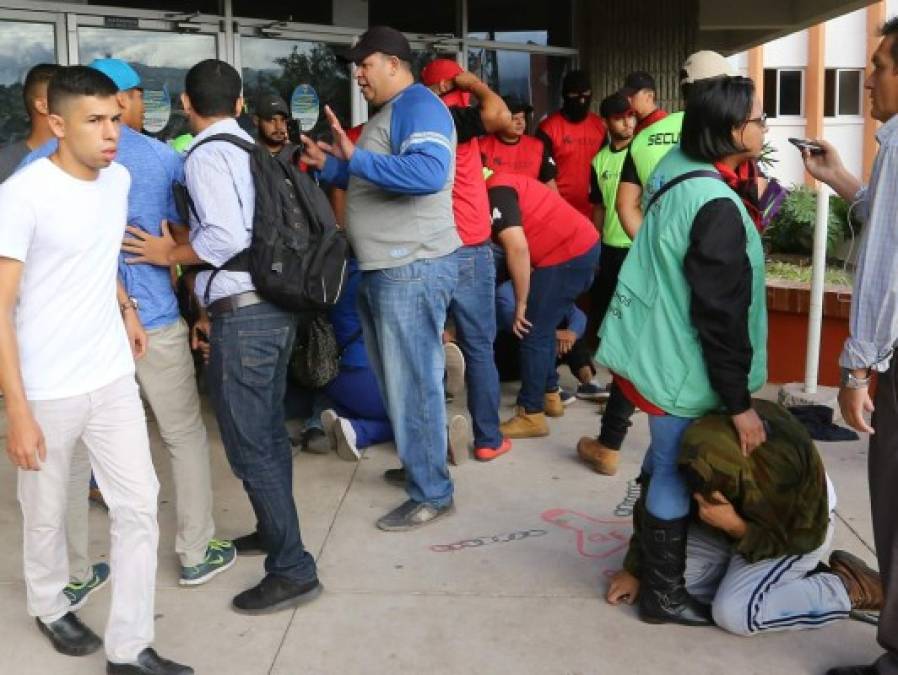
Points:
[(762, 526)]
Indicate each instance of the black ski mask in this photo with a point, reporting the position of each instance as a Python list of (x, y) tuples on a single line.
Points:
[(576, 90)]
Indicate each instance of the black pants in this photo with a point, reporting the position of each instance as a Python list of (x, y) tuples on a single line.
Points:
[(611, 259), (508, 357), (616, 419)]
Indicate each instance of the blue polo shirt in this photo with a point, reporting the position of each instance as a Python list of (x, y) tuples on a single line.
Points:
[(153, 166)]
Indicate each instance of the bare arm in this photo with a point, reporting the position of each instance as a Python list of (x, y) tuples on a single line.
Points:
[(137, 336), (829, 168), (598, 216), (517, 259), (629, 207), (25, 442), (164, 250), (493, 112)]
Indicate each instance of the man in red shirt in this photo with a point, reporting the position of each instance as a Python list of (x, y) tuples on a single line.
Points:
[(540, 231), (514, 151), (473, 306), (573, 136)]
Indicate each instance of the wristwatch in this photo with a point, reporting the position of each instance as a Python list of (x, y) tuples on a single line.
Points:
[(131, 304), (851, 381)]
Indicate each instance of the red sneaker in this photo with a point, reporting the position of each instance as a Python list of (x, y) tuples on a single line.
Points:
[(486, 454)]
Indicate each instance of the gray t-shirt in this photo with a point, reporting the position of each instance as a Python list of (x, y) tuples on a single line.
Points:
[(11, 155)]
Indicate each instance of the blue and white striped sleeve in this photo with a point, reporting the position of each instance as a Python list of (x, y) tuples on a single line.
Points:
[(422, 135)]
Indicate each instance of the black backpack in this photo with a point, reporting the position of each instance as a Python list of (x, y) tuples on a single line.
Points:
[(297, 257)]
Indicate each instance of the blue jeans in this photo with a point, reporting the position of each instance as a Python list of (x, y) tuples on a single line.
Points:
[(668, 497), (403, 311), (247, 376), (473, 308), (356, 397), (553, 290)]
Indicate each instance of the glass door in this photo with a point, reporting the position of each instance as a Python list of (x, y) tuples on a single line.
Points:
[(26, 39), (161, 56)]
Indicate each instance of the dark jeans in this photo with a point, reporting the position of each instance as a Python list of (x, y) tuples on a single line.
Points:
[(616, 419), (247, 378), (553, 290), (610, 261), (473, 308)]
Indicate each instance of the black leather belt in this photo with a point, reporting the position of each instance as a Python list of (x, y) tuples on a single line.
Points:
[(233, 303)]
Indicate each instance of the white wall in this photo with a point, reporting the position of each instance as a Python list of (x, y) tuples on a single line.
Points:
[(845, 40), (848, 137), (789, 169), (788, 51)]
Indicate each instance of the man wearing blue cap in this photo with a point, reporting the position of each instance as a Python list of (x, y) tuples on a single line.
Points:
[(166, 373)]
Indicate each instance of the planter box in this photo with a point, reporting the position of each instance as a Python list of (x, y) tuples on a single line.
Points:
[(787, 311)]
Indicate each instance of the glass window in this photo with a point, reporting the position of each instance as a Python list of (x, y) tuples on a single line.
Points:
[(22, 45), (161, 59), (783, 92), (307, 75), (532, 77), (850, 88), (414, 16), (537, 23)]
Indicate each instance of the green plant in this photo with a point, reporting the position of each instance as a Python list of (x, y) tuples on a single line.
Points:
[(792, 231), (768, 156)]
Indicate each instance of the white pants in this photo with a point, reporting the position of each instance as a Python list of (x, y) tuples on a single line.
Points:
[(111, 423), (769, 595), (168, 383)]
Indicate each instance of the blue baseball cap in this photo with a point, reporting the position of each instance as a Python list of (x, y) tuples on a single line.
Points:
[(124, 76)]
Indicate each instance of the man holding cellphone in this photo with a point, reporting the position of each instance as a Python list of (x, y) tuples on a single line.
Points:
[(873, 328)]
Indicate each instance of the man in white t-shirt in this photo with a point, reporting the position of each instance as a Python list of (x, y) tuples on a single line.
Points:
[(68, 374)]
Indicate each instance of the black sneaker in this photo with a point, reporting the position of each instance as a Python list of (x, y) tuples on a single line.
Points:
[(148, 663), (411, 515), (275, 593), (70, 637), (315, 441), (249, 544), (395, 477)]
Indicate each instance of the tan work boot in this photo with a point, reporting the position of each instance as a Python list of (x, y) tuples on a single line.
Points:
[(524, 425), (863, 584), (552, 404), (603, 460)]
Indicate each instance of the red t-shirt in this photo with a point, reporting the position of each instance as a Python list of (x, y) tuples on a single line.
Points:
[(574, 144), (469, 201), (527, 156), (556, 232)]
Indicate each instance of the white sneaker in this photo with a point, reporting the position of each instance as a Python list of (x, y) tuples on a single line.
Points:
[(455, 369), (329, 419), (460, 438), (346, 441)]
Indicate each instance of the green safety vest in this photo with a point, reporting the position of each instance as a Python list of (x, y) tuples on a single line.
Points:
[(652, 143), (608, 164), (648, 336)]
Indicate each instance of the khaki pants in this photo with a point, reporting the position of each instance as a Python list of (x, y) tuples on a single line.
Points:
[(168, 383), (110, 422)]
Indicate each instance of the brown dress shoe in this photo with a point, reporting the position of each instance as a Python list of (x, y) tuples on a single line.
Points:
[(552, 404), (863, 584), (524, 425), (603, 460)]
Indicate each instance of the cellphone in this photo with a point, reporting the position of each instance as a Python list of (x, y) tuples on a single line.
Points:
[(294, 129), (810, 146)]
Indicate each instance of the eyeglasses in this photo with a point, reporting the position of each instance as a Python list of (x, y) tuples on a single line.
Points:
[(760, 121)]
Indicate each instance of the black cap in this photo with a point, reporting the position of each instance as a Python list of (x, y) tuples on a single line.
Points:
[(614, 105), (269, 105), (638, 81), (381, 39), (575, 82), (517, 105)]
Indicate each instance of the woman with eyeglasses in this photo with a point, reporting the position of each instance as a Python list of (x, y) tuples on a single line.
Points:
[(686, 332)]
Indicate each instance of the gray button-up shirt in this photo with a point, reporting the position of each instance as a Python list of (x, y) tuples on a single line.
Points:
[(221, 186), (874, 308)]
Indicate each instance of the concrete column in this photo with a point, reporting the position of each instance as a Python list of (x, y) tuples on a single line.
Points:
[(813, 87), (756, 69), (876, 16)]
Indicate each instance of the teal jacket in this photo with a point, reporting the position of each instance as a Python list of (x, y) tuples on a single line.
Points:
[(648, 335)]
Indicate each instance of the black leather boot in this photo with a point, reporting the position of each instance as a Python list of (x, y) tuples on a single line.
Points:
[(663, 597)]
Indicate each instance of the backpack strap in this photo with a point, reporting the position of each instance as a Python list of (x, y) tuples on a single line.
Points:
[(699, 173), (227, 138)]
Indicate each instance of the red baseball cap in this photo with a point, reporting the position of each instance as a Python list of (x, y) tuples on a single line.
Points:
[(438, 70)]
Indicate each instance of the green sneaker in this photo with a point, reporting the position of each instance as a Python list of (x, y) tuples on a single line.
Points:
[(77, 593), (220, 555)]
